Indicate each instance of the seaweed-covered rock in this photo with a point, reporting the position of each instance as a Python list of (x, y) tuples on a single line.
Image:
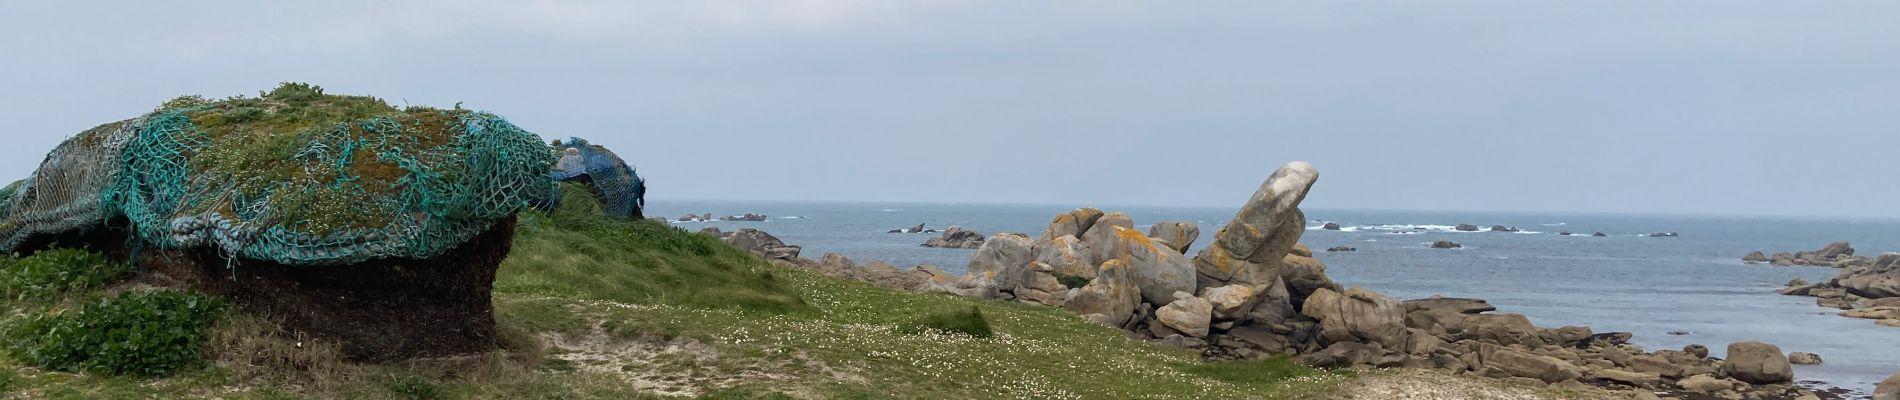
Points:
[(353, 220), (621, 191)]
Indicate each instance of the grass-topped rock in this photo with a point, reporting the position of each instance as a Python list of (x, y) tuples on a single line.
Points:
[(356, 221)]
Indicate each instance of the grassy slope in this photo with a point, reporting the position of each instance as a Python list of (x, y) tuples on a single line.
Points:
[(641, 290)]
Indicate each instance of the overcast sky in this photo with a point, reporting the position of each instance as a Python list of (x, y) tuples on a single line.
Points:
[(1728, 107)]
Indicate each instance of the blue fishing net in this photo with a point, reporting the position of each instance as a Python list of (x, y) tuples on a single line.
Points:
[(621, 191), (375, 183)]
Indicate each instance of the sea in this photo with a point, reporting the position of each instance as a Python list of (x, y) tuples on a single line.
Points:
[(1626, 281)]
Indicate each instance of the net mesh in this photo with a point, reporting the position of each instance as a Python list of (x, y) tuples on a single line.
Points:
[(621, 190), (366, 183)]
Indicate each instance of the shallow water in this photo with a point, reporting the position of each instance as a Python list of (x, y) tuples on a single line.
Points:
[(1622, 282)]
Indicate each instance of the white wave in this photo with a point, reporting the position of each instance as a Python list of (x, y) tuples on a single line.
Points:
[(1556, 224), (792, 217), (1371, 240), (893, 210)]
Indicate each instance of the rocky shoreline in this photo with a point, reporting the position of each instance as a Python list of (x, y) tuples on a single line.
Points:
[(1867, 288), (1254, 292)]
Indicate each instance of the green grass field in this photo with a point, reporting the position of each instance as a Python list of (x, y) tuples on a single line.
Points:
[(600, 309)]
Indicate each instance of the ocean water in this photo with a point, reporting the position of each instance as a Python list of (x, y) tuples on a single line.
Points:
[(1623, 282)]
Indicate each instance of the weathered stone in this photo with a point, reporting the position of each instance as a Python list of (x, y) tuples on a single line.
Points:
[(1229, 301), (1074, 223), (1654, 364), (956, 238), (1637, 379), (1443, 314), (1696, 350), (1344, 355), (1705, 384), (1358, 315), (1446, 244), (1303, 276), (1102, 238), (1157, 269), (1068, 255), (1006, 257), (762, 244), (1888, 389), (1178, 235), (1804, 358), (1258, 236), (1502, 328), (1757, 363), (1109, 299), (1528, 365), (1755, 257), (1187, 314), (1261, 338)]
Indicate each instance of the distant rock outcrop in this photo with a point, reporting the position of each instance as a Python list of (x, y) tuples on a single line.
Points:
[(748, 217), (956, 238), (1502, 228), (1466, 228), (1446, 244)]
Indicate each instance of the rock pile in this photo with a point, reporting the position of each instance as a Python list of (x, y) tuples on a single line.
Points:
[(1254, 292), (1837, 255), (1870, 290), (956, 238)]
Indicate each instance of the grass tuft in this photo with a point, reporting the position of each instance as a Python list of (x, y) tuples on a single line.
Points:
[(965, 322)]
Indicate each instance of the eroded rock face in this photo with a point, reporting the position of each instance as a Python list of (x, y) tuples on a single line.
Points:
[(1109, 299), (1527, 365), (1358, 315), (1501, 328), (1888, 389), (1178, 235), (1231, 301), (1757, 363), (1074, 223), (1101, 236), (1186, 314), (1067, 255), (1156, 269), (1248, 248), (1006, 256)]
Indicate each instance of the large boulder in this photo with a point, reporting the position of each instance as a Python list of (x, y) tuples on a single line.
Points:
[(1007, 257), (1066, 254), (956, 238), (1074, 223), (1101, 236), (1888, 389), (1157, 269), (1109, 299), (1757, 363), (1755, 257), (1231, 301), (1178, 235), (1358, 315), (1248, 249), (1186, 314)]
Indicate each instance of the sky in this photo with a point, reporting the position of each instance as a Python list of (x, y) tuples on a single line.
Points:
[(1683, 107)]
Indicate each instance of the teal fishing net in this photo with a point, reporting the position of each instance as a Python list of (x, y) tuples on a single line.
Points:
[(294, 177), (621, 191)]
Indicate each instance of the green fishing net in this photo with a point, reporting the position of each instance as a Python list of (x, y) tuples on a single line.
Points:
[(293, 176)]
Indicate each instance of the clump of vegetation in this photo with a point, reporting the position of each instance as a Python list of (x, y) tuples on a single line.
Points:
[(1072, 281), (136, 333), (966, 322), (58, 272)]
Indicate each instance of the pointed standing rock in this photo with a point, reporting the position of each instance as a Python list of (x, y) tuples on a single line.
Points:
[(1249, 248)]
